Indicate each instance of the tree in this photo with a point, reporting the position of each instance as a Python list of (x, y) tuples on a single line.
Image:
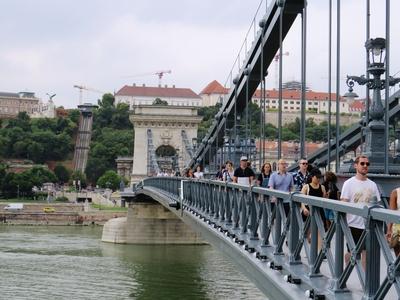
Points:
[(22, 121), (62, 173), (159, 101), (73, 115), (120, 118), (39, 175), (106, 101), (109, 179)]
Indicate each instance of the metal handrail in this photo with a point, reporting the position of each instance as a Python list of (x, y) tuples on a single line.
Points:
[(247, 216)]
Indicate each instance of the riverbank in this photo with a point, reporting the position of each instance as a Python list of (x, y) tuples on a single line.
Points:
[(58, 214)]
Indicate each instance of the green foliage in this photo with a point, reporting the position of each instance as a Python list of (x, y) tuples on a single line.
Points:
[(110, 179), (112, 136), (107, 100), (73, 115), (62, 173), (159, 101), (22, 183), (37, 139)]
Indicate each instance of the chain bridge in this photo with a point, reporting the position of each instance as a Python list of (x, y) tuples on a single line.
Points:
[(270, 247)]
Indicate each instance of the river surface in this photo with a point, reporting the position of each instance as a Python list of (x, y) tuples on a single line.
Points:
[(40, 262)]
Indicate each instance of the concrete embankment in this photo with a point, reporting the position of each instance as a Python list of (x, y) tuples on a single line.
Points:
[(58, 214)]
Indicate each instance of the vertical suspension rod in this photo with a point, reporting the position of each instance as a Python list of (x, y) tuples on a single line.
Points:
[(303, 80), (337, 85), (387, 87), (263, 122), (261, 145), (329, 85), (368, 30), (246, 127), (280, 81)]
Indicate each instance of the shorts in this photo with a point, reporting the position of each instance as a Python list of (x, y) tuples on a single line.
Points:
[(356, 233)]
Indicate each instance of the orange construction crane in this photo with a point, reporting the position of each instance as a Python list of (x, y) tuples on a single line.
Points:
[(81, 88)]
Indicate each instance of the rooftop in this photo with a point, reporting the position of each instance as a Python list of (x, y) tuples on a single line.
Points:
[(148, 91)]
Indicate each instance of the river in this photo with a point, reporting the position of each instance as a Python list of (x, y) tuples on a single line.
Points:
[(70, 262)]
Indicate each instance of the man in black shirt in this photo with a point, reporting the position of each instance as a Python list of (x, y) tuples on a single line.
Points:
[(243, 175)]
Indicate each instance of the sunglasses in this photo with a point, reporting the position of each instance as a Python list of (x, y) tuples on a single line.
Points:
[(304, 163), (364, 164)]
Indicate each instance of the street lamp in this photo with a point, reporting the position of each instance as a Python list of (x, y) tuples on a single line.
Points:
[(375, 131)]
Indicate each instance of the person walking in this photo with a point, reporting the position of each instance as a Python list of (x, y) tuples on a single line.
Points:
[(266, 172), (189, 173), (359, 189), (300, 177), (332, 193), (229, 172), (220, 173), (393, 230), (314, 188), (283, 181), (243, 174), (199, 173)]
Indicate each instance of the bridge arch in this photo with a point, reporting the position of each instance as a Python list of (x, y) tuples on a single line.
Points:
[(162, 127)]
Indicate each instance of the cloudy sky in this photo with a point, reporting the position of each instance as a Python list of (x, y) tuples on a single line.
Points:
[(48, 46)]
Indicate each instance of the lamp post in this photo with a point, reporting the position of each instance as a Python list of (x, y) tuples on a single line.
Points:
[(375, 130)]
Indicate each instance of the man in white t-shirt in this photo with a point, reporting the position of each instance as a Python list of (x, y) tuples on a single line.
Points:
[(359, 189)]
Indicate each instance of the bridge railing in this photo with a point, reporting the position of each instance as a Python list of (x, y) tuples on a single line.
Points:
[(259, 219)]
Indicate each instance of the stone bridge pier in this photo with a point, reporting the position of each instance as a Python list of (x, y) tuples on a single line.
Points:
[(148, 222)]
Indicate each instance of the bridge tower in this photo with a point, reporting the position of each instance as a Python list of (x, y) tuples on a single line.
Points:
[(161, 128)]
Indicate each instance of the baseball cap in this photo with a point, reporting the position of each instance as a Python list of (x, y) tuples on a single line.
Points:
[(243, 158)]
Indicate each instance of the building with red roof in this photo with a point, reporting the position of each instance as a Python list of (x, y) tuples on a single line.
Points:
[(316, 102), (213, 93), (145, 95)]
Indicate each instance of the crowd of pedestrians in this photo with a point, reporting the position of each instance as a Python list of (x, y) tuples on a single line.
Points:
[(310, 181)]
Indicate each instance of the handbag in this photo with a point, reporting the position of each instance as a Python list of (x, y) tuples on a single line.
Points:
[(395, 240)]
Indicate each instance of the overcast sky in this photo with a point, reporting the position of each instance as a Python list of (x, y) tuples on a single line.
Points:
[(48, 46)]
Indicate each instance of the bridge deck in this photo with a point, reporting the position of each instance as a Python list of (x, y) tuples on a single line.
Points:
[(237, 225)]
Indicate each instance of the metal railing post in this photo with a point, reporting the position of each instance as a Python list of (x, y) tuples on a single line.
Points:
[(293, 232), (337, 285), (314, 240), (373, 259)]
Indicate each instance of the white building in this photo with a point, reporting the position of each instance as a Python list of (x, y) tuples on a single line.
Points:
[(44, 110), (13, 103), (145, 95), (291, 100)]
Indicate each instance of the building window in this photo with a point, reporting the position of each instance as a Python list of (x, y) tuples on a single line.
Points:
[(309, 103), (284, 102), (291, 102), (273, 101), (315, 103)]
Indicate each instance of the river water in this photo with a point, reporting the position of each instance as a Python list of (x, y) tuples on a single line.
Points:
[(57, 262)]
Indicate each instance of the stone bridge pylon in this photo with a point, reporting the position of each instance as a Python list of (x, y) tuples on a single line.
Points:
[(163, 138)]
